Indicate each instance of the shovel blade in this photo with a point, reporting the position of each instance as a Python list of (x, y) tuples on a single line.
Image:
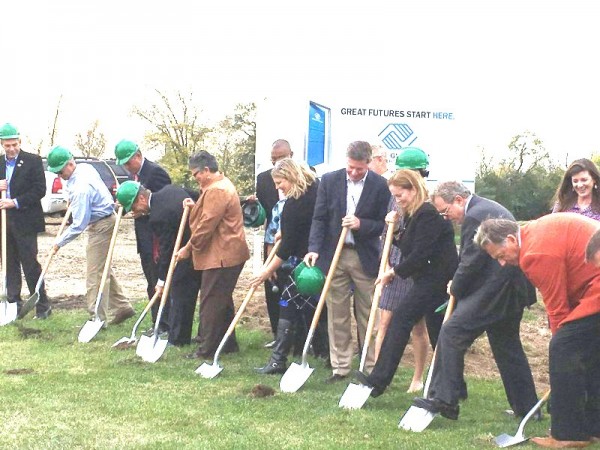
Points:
[(355, 396), (145, 344), (295, 377), (124, 342), (29, 304), (8, 312), (506, 440), (153, 353), (416, 419), (90, 329), (209, 370)]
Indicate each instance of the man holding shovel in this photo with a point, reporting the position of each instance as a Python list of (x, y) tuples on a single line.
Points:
[(22, 177), (489, 298), (164, 210), (93, 209), (357, 198), (551, 251)]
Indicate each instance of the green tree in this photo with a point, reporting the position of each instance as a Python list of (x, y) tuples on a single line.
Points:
[(524, 182), (177, 130), (93, 144)]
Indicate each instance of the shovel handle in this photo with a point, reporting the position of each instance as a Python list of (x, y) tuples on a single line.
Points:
[(3, 216), (52, 252), (321, 303), (389, 235)]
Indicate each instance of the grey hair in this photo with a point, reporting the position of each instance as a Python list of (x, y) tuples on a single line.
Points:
[(203, 159), (448, 190), (359, 151), (495, 231)]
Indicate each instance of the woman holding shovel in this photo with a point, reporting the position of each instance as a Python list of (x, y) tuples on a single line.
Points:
[(299, 184)]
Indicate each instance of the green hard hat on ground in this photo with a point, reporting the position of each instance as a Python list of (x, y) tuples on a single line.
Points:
[(412, 158), (9, 131), (127, 193), (254, 214), (309, 280), (58, 158), (124, 150)]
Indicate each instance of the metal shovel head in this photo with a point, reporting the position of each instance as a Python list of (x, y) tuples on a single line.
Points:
[(29, 304), (90, 329), (355, 396), (416, 419), (295, 377), (209, 370), (506, 440), (145, 343), (8, 312), (124, 342), (154, 350)]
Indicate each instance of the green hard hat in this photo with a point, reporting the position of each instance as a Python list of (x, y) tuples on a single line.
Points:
[(9, 131), (58, 158), (412, 158), (125, 150), (254, 214), (127, 193), (309, 280)]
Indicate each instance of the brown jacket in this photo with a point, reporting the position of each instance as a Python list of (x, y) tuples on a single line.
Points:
[(217, 225)]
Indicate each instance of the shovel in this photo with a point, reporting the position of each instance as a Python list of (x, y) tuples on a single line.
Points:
[(151, 348), (8, 311), (297, 374), (506, 440), (214, 369), (417, 419), (91, 327), (128, 342), (356, 395), (32, 301)]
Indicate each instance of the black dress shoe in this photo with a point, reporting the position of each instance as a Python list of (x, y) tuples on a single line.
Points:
[(271, 368), (435, 406), (44, 314), (335, 378), (364, 380)]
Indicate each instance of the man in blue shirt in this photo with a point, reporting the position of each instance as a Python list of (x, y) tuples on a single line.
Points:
[(92, 208)]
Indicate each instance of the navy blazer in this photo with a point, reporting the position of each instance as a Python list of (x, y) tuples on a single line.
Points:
[(330, 209), (154, 178), (28, 186)]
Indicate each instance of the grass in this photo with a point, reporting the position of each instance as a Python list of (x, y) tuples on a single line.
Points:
[(71, 395)]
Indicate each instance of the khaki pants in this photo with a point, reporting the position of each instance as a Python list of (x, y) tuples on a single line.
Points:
[(349, 275), (99, 234)]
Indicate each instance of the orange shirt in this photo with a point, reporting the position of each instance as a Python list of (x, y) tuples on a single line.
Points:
[(552, 256)]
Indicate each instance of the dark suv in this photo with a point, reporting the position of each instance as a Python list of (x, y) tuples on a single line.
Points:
[(105, 172), (120, 172)]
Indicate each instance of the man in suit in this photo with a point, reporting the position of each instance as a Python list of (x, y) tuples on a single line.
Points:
[(268, 195), (489, 298), (164, 210), (551, 251), (22, 177), (154, 178), (357, 198)]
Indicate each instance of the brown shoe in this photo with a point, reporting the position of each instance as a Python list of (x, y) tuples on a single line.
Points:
[(550, 442), (122, 316)]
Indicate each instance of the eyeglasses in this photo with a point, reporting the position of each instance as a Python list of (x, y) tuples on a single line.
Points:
[(195, 172), (445, 213)]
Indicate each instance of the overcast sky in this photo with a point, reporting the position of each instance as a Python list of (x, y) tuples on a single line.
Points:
[(503, 66)]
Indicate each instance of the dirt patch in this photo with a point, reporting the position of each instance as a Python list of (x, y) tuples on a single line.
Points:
[(18, 372), (65, 284), (27, 333), (261, 391)]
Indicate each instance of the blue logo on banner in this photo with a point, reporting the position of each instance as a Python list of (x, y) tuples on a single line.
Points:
[(397, 135)]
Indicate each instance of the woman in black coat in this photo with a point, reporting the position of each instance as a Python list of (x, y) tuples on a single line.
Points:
[(299, 184), (429, 257)]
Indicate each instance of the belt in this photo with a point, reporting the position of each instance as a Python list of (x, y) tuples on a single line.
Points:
[(349, 246)]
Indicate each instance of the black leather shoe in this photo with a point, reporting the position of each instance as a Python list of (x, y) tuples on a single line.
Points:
[(364, 380), (272, 368), (335, 378), (436, 406), (43, 315)]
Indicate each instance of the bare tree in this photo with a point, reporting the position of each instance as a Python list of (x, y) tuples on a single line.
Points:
[(93, 144), (51, 132)]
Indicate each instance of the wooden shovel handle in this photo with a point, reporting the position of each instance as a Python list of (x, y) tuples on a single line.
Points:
[(385, 255), (173, 263), (449, 310), (111, 248), (52, 252)]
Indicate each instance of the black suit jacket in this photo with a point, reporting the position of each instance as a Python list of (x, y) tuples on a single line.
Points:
[(166, 210), (330, 208), (266, 192), (154, 178), (427, 246), (484, 289), (27, 186)]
